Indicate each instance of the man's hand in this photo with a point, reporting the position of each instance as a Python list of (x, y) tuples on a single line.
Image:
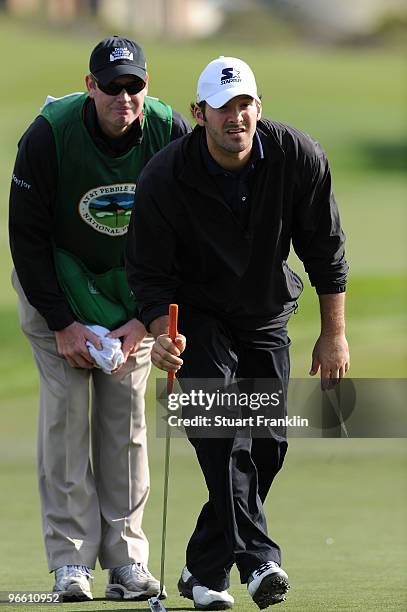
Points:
[(331, 357), (71, 344), (165, 353), (331, 352), (131, 334)]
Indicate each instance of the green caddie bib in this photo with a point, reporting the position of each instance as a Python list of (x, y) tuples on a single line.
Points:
[(94, 201)]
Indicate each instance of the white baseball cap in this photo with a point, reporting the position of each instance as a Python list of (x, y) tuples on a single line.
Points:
[(223, 79)]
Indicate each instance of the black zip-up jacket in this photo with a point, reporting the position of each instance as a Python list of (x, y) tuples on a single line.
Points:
[(185, 244)]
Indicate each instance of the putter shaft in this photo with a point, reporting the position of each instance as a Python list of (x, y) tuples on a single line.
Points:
[(154, 602)]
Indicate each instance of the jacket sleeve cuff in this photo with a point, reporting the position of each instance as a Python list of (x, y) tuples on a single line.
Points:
[(58, 320), (324, 290), (150, 314)]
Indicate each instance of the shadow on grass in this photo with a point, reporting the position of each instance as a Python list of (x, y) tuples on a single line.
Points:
[(124, 603), (106, 608)]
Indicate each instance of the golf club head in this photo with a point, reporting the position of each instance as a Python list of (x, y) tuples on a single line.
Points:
[(156, 605)]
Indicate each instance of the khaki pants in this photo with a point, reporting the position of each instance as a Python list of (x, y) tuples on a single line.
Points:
[(89, 511)]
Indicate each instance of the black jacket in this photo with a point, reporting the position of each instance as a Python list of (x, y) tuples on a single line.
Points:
[(185, 245)]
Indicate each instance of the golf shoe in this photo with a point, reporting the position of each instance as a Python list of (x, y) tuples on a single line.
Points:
[(268, 584), (203, 597), (72, 582), (133, 581)]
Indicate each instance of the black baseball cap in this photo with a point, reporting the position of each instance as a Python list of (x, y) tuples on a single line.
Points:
[(116, 56)]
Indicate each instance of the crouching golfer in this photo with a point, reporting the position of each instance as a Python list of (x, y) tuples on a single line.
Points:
[(211, 230)]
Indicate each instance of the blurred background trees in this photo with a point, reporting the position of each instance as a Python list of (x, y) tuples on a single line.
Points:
[(353, 22)]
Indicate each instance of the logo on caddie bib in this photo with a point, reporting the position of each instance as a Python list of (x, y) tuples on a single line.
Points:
[(107, 208)]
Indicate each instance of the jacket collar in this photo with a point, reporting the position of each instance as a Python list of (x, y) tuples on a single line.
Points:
[(194, 171)]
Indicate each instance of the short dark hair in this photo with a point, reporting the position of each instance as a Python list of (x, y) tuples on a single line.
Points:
[(202, 106)]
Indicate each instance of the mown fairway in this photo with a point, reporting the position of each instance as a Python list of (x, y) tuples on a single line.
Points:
[(338, 509)]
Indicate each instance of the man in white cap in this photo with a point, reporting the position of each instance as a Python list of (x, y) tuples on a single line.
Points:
[(71, 195), (222, 206)]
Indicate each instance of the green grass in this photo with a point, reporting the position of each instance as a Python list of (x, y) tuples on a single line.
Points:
[(337, 510), (351, 492), (376, 327)]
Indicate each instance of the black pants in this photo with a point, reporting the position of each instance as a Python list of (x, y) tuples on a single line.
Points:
[(238, 471)]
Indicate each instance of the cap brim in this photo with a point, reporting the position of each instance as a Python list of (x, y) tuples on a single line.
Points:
[(107, 75), (221, 98)]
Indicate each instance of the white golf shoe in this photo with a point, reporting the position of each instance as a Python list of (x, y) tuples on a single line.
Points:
[(72, 582), (203, 597), (268, 584), (133, 581)]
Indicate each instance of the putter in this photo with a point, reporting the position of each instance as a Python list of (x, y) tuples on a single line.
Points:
[(154, 602), (335, 403)]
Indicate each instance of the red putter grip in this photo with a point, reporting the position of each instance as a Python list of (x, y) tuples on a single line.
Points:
[(172, 329)]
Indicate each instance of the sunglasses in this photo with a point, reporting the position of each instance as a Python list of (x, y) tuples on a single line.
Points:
[(114, 89)]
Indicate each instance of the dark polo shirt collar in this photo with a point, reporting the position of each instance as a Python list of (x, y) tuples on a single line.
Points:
[(234, 186), (214, 168)]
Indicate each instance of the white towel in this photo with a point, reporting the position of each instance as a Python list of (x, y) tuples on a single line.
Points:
[(110, 357)]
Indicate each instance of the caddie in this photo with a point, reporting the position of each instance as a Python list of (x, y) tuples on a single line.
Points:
[(71, 195)]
